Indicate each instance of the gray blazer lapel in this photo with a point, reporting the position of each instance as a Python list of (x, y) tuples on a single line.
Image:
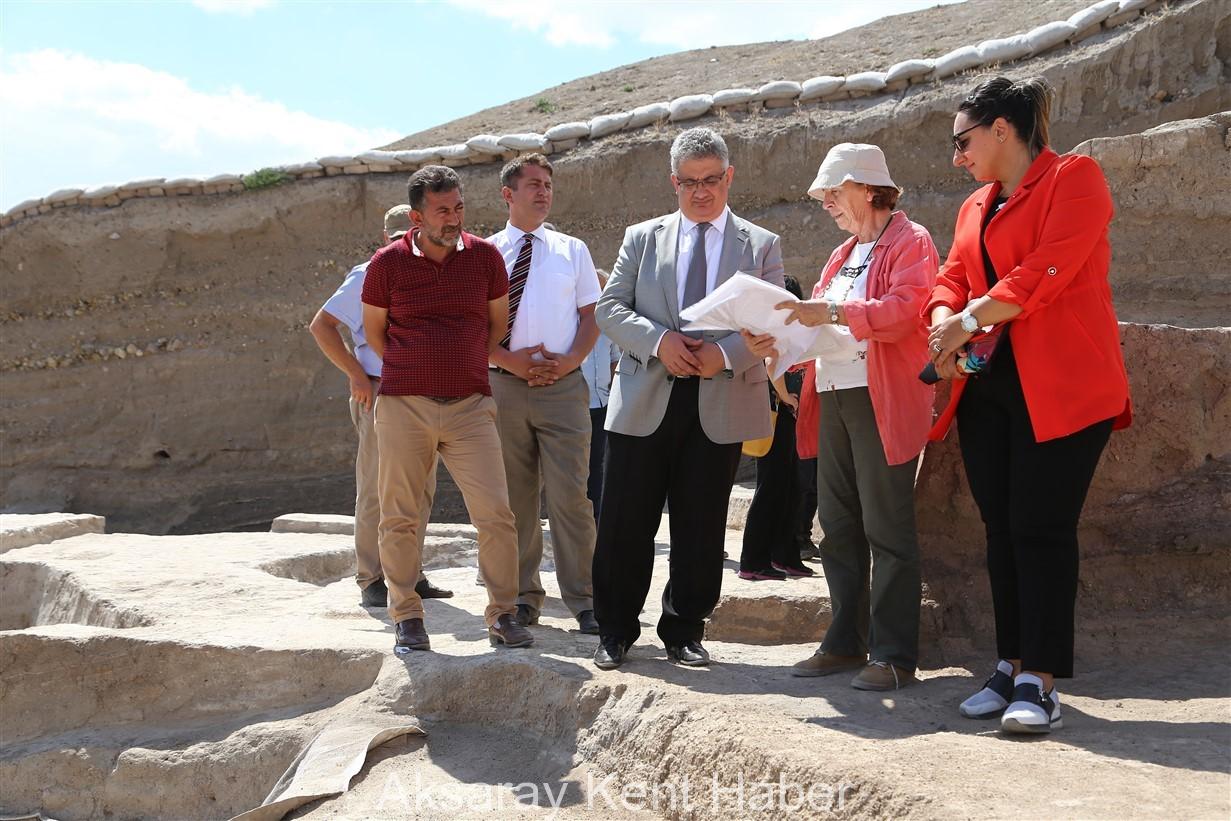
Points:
[(734, 240), (667, 238)]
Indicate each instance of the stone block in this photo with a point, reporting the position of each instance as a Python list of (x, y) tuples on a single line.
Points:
[(24, 529)]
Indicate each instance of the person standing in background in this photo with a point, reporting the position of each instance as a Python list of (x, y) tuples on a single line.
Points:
[(541, 396), (362, 367), (598, 370)]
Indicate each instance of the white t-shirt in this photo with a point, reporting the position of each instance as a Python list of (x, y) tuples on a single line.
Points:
[(561, 280), (846, 366)]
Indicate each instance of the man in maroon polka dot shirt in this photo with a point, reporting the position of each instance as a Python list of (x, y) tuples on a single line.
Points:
[(435, 303)]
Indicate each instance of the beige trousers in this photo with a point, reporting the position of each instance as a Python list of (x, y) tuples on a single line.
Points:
[(545, 439), (410, 432), (367, 496)]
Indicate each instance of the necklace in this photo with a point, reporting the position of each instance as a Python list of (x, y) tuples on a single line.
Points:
[(847, 274)]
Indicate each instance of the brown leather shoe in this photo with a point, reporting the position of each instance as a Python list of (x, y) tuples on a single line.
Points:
[(409, 634), (881, 675), (822, 664), (508, 632), (427, 590)]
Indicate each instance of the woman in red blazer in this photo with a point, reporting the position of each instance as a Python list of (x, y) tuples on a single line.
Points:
[(1029, 256)]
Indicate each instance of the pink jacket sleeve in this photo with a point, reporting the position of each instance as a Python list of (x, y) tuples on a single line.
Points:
[(894, 315)]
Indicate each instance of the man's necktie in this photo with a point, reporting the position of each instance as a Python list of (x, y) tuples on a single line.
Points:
[(517, 283), (694, 285)]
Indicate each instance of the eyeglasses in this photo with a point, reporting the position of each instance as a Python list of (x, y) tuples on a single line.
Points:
[(710, 182), (960, 142)]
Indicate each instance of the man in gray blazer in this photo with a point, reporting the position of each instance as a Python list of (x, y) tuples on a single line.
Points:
[(680, 406)]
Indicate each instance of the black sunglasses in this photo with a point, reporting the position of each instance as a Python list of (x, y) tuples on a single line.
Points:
[(960, 142)]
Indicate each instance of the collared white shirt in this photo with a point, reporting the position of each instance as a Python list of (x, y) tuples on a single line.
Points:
[(596, 370), (713, 250), (346, 305), (561, 280), (685, 243)]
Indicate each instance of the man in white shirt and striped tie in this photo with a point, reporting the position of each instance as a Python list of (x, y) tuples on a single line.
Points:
[(542, 401)]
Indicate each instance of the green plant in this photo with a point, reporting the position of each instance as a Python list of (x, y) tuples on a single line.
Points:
[(265, 178), (629, 87), (544, 105)]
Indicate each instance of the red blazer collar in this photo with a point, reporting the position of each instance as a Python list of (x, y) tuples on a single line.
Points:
[(1041, 165)]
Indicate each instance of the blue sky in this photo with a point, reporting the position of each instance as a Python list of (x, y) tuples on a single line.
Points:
[(105, 92)]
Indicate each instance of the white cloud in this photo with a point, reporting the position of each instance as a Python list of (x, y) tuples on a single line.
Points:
[(686, 24), (70, 120), (243, 8)]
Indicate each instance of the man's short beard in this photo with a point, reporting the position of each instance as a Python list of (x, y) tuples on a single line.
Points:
[(440, 240)]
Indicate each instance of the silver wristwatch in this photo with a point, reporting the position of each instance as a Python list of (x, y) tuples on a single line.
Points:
[(969, 323), (833, 313)]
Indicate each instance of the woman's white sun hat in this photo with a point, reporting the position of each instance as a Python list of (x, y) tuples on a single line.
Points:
[(857, 162)]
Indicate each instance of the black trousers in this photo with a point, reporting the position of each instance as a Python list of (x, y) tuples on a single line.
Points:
[(807, 503), (677, 464), (1030, 495), (769, 532), (598, 448)]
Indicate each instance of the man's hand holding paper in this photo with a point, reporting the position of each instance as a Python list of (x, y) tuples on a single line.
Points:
[(748, 303)]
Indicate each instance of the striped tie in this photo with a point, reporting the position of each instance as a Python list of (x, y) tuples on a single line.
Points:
[(517, 283)]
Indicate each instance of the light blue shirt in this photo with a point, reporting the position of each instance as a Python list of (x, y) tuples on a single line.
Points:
[(346, 305), (596, 370)]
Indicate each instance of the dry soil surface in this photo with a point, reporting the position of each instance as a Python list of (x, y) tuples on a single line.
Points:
[(874, 47), (213, 660)]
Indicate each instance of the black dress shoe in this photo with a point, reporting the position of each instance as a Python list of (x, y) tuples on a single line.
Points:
[(611, 653), (508, 632), (586, 623), (427, 590), (526, 615), (410, 635), (689, 654), (375, 595)]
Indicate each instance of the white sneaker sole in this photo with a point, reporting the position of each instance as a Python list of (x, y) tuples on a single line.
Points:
[(996, 713), (1012, 725)]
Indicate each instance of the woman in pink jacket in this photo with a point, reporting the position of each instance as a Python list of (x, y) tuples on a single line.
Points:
[(874, 416)]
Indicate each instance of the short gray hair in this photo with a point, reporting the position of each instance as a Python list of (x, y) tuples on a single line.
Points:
[(698, 142)]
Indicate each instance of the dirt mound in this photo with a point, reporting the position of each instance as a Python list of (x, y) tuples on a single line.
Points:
[(876, 46)]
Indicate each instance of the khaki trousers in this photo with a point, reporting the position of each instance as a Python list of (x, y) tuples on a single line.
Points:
[(410, 432), (367, 497), (545, 439)]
